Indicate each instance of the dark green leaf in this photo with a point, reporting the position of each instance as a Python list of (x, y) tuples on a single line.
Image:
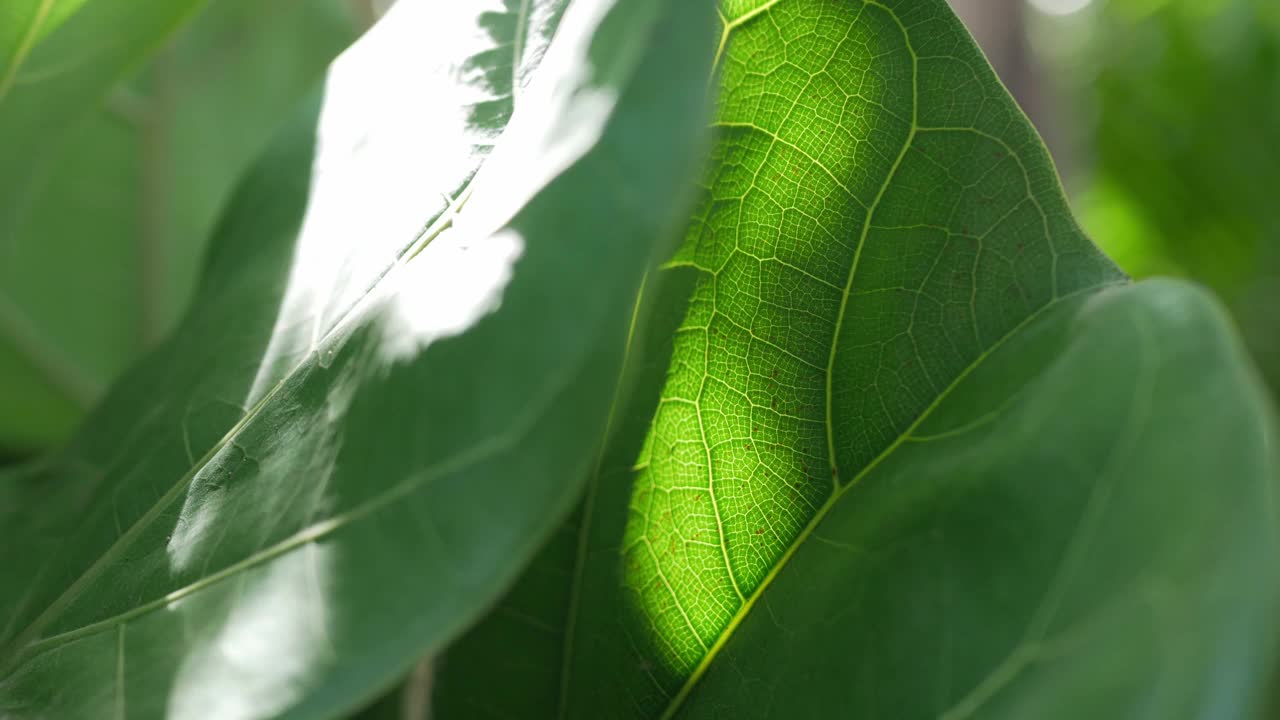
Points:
[(310, 486), (919, 451)]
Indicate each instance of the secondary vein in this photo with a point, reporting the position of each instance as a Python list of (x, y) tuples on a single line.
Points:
[(813, 524)]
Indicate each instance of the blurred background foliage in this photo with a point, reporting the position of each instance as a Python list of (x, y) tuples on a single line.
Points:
[(1163, 117), (102, 250), (1178, 110)]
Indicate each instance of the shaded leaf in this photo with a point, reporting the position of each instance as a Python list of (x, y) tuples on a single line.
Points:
[(918, 449), (296, 496)]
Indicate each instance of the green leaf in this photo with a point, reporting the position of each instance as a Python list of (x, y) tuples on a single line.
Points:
[(146, 164), (23, 24), (50, 83), (1203, 198), (360, 433), (918, 450)]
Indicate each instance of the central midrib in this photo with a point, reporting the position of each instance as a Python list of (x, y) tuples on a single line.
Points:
[(424, 237), (24, 641), (835, 496), (517, 49)]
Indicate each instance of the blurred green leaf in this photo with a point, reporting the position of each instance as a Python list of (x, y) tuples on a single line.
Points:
[(50, 90), (144, 166), (23, 24), (360, 433), (1188, 139), (919, 450)]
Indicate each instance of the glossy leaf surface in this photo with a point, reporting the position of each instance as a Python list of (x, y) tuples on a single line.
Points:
[(294, 498), (916, 448)]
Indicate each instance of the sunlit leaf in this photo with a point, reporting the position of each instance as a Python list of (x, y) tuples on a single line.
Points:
[(363, 428), (917, 449)]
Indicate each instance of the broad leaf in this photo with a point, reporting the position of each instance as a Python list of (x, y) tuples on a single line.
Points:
[(315, 482), (146, 165), (916, 448)]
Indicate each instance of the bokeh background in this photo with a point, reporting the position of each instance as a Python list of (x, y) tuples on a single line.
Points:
[(1163, 117)]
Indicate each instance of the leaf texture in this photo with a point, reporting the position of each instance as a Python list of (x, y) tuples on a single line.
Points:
[(294, 498), (915, 449)]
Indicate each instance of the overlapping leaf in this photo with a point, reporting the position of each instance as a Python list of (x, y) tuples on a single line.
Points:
[(361, 431), (915, 449)]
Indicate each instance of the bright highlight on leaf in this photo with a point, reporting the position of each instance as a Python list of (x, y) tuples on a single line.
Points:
[(885, 436), (879, 217), (267, 483), (906, 443)]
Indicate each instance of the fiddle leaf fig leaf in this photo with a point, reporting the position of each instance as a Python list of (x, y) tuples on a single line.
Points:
[(389, 387), (915, 447)]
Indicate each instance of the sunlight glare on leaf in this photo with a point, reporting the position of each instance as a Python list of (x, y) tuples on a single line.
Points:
[(447, 289), (382, 172), (258, 661), (384, 186)]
